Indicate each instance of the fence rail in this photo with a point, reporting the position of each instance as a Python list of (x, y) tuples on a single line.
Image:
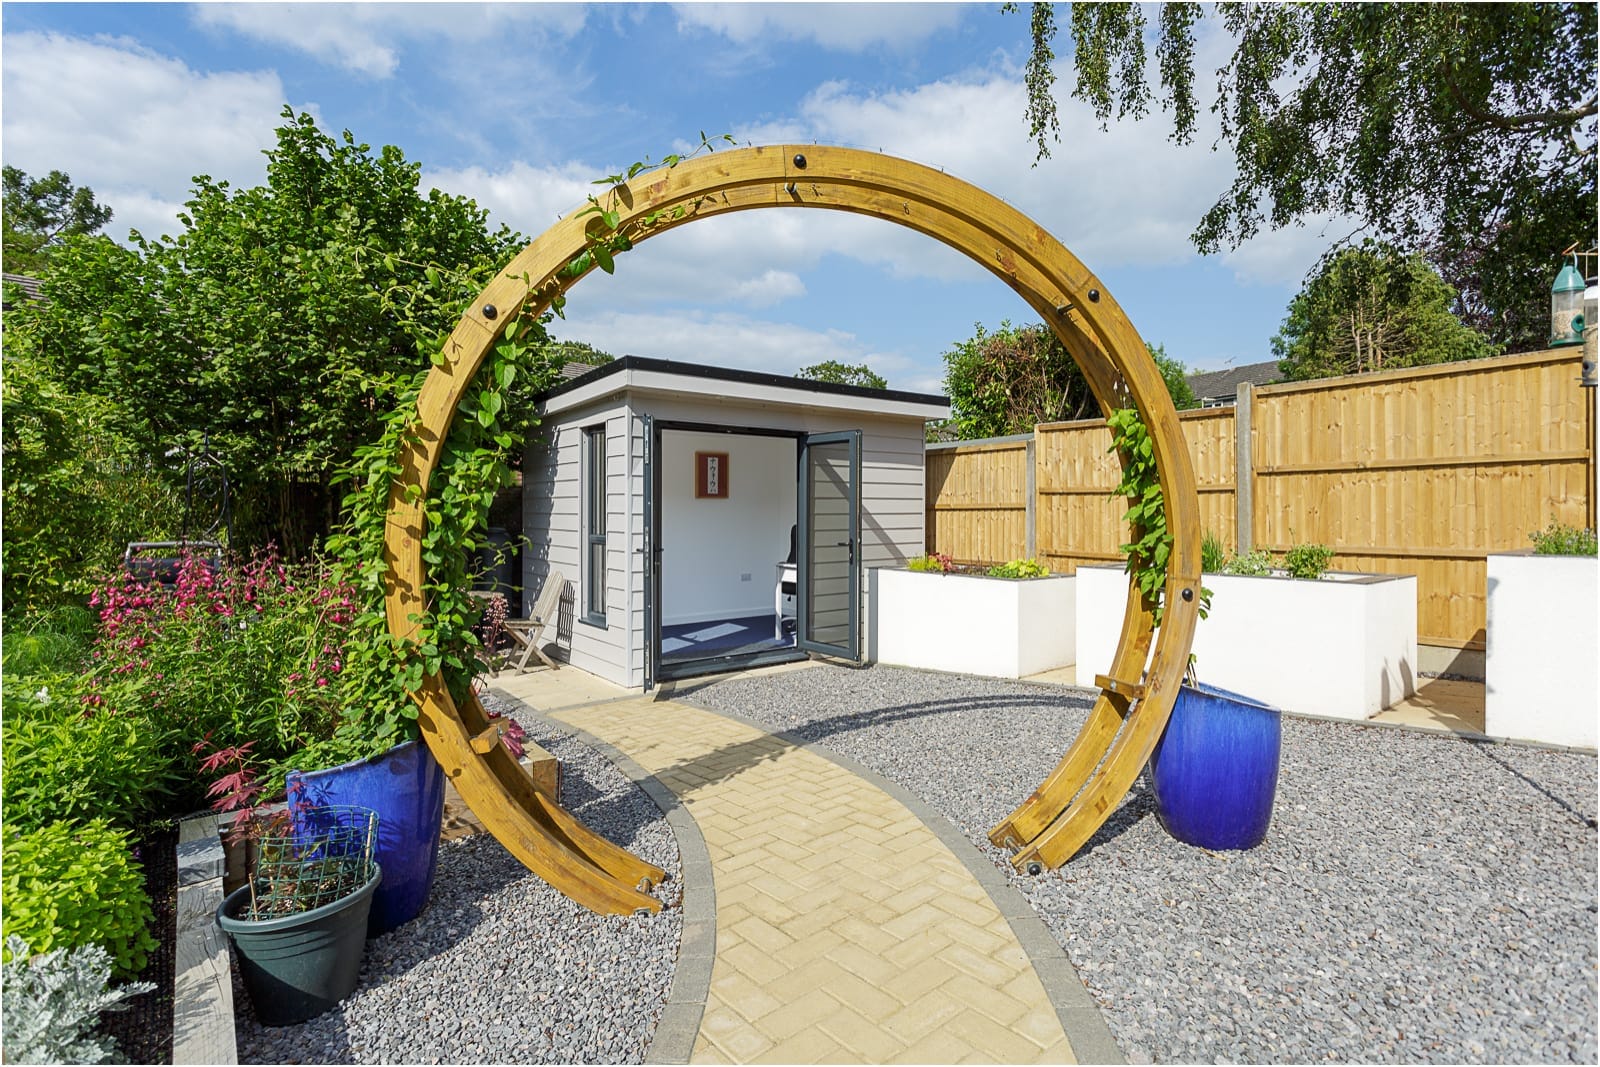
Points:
[(1423, 471)]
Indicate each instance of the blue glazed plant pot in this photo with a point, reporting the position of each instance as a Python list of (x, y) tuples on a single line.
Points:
[(405, 786), (1214, 773)]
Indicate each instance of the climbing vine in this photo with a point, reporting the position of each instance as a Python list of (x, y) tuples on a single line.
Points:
[(383, 673), (1151, 549)]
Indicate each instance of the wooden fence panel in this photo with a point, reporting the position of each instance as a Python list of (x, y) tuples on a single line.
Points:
[(978, 501), (1081, 522), (1214, 452), (1425, 472), (1421, 471)]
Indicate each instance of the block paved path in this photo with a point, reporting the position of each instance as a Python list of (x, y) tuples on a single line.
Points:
[(846, 930)]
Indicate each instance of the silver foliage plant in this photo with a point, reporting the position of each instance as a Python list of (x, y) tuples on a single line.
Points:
[(54, 1000)]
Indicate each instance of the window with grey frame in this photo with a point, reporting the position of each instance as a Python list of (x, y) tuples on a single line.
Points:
[(594, 525)]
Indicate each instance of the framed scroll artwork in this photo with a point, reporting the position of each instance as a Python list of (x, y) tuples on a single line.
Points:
[(711, 475)]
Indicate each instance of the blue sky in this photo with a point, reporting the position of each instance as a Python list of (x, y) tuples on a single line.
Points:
[(521, 106)]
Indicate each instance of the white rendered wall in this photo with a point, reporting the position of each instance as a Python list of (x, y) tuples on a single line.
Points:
[(718, 556), (1541, 661), (1344, 646), (969, 624)]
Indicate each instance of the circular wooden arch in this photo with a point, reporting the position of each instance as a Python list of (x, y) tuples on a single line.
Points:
[(1134, 702)]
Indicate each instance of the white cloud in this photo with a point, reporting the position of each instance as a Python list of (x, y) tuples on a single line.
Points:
[(133, 125), (772, 287), (852, 27), (1126, 196), (1283, 257), (366, 38), (746, 259), (525, 197)]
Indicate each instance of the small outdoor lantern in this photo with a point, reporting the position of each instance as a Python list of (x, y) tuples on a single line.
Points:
[(1566, 307)]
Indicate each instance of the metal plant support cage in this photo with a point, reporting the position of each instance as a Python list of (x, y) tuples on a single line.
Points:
[(310, 857)]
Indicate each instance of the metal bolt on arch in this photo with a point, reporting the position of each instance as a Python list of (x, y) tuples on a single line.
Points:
[(1135, 699)]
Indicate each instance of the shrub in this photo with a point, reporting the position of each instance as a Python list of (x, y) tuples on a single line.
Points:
[(934, 562), (250, 651), (76, 488), (1019, 568), (52, 641), (1307, 561), (54, 1000), (1213, 555), (1559, 539), (64, 761), (72, 884), (1254, 564)]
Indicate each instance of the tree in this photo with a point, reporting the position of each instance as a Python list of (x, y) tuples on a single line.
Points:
[(76, 488), (38, 214), (1372, 308), (283, 320), (843, 374), (1467, 130), (1009, 381), (1176, 375), (560, 353)]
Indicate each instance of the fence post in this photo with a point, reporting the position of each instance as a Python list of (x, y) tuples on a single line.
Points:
[(1031, 517), (1243, 516)]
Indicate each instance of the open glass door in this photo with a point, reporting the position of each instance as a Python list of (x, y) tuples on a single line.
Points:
[(829, 603)]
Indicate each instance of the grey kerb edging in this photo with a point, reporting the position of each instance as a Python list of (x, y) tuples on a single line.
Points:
[(673, 1041), (202, 993)]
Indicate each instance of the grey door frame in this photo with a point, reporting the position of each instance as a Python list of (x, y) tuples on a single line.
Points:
[(655, 671)]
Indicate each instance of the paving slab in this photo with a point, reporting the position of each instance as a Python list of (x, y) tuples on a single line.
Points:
[(1448, 704), (846, 928)]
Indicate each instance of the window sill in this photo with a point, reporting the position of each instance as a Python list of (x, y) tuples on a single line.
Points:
[(597, 621)]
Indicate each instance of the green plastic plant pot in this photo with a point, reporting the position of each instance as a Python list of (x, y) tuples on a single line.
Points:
[(296, 967)]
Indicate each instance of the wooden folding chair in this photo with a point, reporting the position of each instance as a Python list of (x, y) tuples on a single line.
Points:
[(526, 632)]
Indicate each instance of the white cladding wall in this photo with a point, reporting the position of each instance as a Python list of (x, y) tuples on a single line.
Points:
[(892, 506), (718, 556), (552, 480)]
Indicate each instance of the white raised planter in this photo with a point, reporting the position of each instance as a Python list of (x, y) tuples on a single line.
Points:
[(1344, 645), (971, 624), (1540, 659)]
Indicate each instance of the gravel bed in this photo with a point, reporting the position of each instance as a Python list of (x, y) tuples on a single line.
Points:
[(499, 967), (1420, 898)]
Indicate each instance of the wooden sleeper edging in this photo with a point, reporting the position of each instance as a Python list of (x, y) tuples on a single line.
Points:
[(202, 991)]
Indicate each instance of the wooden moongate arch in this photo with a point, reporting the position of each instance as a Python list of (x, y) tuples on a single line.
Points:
[(1134, 701)]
